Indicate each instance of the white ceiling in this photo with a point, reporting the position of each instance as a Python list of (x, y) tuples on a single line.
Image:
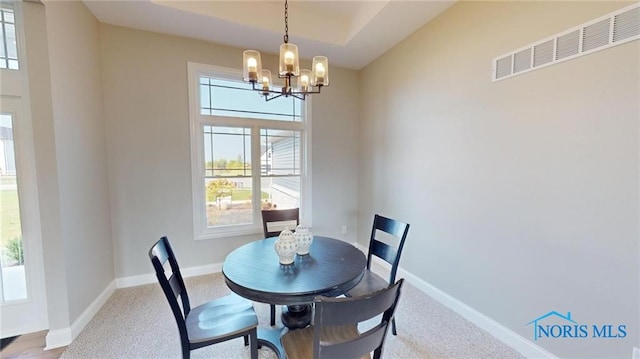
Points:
[(350, 33)]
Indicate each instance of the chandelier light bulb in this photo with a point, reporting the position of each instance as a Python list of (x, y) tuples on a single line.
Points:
[(252, 67), (288, 58), (252, 64)]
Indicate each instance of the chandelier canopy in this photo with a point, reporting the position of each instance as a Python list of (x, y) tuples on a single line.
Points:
[(306, 81)]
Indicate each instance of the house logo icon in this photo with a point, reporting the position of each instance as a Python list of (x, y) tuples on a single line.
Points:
[(554, 330), (556, 325)]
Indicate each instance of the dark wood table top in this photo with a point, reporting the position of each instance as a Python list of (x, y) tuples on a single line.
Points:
[(331, 268)]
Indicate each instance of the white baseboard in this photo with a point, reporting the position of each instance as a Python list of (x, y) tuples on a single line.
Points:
[(62, 337), (88, 314), (201, 270), (135, 280), (58, 338), (151, 277), (499, 331)]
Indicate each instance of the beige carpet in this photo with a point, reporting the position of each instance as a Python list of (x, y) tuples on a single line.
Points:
[(137, 323)]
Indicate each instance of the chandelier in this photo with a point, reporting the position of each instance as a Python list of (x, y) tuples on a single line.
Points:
[(306, 81)]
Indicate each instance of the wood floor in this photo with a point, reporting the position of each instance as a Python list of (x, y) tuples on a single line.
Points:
[(30, 346)]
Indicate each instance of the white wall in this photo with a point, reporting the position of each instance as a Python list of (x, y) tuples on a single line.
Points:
[(522, 194), (73, 35), (146, 109)]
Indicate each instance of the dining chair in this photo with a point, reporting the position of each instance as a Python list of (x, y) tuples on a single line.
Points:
[(276, 220), (273, 222), (387, 241), (335, 333), (213, 322)]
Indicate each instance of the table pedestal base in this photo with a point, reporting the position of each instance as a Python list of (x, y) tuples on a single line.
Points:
[(271, 339), (296, 316)]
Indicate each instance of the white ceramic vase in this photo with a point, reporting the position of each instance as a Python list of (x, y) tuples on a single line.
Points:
[(304, 237), (286, 246)]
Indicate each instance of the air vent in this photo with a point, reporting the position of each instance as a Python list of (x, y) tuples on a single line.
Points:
[(596, 35), (543, 53), (503, 67), (522, 60), (613, 29), (568, 45), (626, 25)]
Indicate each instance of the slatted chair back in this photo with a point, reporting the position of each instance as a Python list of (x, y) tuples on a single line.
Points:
[(275, 220), (172, 285), (388, 252), (339, 312)]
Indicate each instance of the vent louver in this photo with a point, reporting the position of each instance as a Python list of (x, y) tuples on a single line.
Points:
[(543, 53), (626, 25), (613, 29), (568, 45), (503, 67), (522, 60), (596, 35)]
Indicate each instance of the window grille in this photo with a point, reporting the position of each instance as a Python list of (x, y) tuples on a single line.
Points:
[(9, 48)]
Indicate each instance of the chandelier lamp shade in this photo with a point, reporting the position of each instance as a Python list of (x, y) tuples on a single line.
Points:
[(298, 82)]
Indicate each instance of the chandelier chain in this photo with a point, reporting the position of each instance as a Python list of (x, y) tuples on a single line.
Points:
[(286, 21)]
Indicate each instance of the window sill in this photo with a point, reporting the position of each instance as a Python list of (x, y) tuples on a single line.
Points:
[(228, 233)]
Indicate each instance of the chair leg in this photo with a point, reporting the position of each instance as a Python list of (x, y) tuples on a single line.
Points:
[(393, 326), (186, 353), (246, 340), (273, 314), (254, 343)]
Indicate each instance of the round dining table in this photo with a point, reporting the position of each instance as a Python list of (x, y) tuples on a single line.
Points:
[(331, 268)]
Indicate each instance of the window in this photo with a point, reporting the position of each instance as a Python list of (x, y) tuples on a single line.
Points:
[(9, 47), (12, 254), (247, 154)]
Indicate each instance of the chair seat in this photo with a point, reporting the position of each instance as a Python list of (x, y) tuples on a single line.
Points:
[(298, 344), (220, 318), (370, 283)]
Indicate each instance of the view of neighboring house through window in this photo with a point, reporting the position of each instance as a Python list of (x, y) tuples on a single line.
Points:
[(251, 156), (9, 48)]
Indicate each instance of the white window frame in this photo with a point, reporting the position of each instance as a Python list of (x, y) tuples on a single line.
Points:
[(197, 121), (3, 41), (16, 99)]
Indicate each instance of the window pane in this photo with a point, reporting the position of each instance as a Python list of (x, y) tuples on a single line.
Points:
[(280, 152), (205, 96), (227, 151), (228, 181), (280, 168), (12, 255), (8, 47), (2, 52), (229, 201), (280, 192), (237, 99), (8, 16), (10, 32)]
